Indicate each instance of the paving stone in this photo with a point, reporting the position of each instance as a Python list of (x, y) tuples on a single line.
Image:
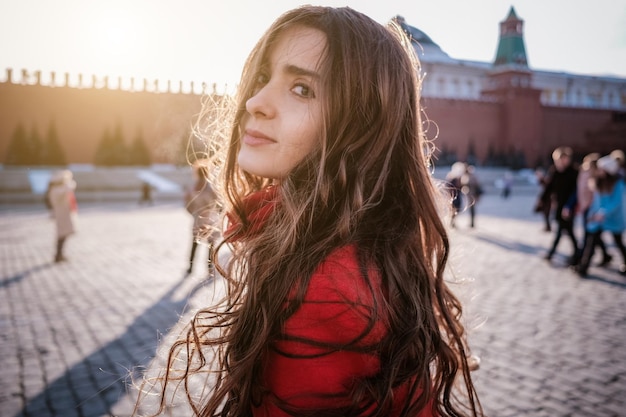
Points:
[(73, 335)]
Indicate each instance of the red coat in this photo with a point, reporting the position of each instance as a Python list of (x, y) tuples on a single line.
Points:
[(326, 315), (336, 309)]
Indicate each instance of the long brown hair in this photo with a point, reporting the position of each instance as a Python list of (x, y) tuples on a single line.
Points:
[(367, 184)]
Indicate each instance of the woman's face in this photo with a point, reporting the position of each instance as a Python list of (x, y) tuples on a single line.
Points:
[(284, 116)]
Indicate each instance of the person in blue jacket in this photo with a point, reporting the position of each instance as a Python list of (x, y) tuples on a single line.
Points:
[(606, 212)]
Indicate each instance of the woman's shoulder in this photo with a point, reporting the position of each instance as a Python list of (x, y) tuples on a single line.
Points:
[(340, 302), (341, 275), (342, 258)]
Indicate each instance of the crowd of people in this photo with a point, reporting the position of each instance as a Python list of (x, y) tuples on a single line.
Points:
[(594, 191)]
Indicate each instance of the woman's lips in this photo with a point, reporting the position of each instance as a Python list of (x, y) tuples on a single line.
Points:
[(255, 138)]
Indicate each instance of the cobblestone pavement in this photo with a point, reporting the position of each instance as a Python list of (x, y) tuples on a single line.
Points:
[(73, 335)]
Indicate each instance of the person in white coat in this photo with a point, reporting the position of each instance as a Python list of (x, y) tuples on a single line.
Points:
[(63, 206)]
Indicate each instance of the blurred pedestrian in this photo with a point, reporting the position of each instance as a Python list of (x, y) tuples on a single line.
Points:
[(146, 194), (46, 197), (472, 190), (544, 199), (507, 185), (606, 212), (453, 180), (618, 155), (63, 208), (201, 202), (561, 186), (585, 188)]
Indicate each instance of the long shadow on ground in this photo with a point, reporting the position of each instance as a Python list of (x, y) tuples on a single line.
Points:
[(93, 386), (509, 244)]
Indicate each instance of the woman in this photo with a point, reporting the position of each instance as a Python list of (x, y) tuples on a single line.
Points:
[(585, 190), (336, 303), (606, 212), (62, 200)]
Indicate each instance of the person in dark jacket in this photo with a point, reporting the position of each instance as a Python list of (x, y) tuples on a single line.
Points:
[(561, 186)]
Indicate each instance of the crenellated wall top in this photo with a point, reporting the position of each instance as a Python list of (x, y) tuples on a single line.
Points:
[(80, 81)]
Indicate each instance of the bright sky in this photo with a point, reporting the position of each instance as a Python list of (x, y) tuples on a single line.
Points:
[(208, 40)]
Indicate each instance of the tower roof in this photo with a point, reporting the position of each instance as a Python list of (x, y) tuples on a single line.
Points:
[(413, 33), (426, 48), (512, 14), (511, 50)]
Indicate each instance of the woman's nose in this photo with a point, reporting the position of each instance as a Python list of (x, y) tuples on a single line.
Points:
[(261, 103)]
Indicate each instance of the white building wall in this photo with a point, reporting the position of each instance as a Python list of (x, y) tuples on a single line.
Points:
[(458, 79), (454, 80)]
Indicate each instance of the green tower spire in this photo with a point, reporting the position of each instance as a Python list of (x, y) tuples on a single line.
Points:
[(511, 50)]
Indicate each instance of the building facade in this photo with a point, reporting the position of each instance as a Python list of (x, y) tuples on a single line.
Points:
[(505, 112), (492, 113)]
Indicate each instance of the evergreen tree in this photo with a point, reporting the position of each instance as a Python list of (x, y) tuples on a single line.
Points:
[(119, 152), (18, 151), (178, 153), (34, 146), (52, 151), (139, 153), (518, 160), (471, 158), (103, 156), (492, 156), (112, 150)]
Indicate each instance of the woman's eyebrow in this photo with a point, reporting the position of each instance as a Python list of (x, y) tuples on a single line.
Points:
[(295, 70)]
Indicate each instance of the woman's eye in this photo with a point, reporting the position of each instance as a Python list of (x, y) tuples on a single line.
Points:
[(303, 91), (262, 78)]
